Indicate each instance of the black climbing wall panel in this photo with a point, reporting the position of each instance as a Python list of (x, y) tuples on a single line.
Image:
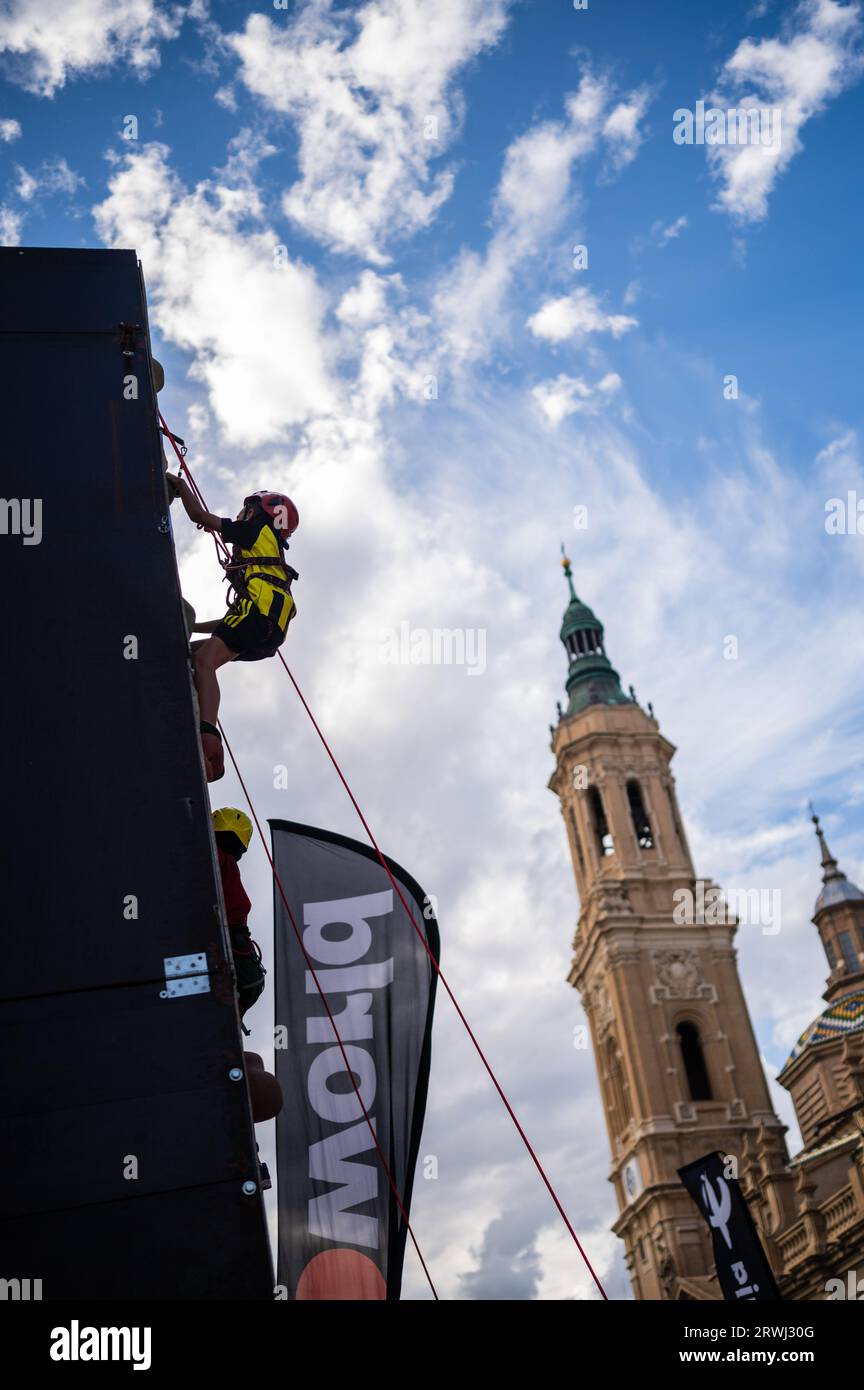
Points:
[(124, 1144)]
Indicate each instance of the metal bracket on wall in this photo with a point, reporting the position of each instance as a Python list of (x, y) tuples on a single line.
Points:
[(128, 335), (185, 975)]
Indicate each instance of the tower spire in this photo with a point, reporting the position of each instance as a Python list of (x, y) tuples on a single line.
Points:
[(591, 679), (839, 919), (830, 867), (565, 561)]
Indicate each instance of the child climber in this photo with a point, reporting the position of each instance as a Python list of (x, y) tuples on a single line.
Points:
[(254, 626), (232, 830)]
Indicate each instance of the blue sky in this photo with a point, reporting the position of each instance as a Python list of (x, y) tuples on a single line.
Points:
[(405, 259)]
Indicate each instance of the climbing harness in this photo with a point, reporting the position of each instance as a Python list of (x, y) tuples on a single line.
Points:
[(240, 582)]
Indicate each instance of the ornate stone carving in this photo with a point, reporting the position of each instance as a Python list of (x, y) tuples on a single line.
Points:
[(611, 898), (604, 1012), (679, 976)]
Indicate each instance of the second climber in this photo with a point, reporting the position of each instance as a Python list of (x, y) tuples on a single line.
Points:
[(232, 830)]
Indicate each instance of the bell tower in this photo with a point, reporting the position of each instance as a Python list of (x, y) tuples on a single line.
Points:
[(655, 967)]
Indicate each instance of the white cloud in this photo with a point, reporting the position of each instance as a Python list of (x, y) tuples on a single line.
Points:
[(26, 186), (365, 301), (664, 234), (816, 57), (534, 194), (226, 97), (839, 456), (361, 85), (10, 226), (621, 128), (220, 289), (632, 293), (53, 176), (41, 51), (609, 383), (568, 395), (9, 130), (577, 315)]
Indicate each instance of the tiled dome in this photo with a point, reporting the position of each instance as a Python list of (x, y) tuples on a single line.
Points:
[(845, 1015)]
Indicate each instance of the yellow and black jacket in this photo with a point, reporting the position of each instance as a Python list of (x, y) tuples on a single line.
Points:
[(267, 583)]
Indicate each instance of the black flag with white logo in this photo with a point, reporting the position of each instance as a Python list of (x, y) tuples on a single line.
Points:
[(341, 1232), (742, 1265)]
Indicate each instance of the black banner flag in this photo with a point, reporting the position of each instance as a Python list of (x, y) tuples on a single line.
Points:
[(341, 1234), (742, 1265)]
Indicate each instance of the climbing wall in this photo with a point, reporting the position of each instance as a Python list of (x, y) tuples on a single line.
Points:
[(127, 1153)]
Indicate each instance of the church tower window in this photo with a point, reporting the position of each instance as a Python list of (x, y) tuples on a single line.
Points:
[(639, 816), (850, 955), (698, 1083), (605, 843)]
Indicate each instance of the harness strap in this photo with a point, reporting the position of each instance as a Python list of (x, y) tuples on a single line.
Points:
[(272, 580), (276, 581), (259, 560)]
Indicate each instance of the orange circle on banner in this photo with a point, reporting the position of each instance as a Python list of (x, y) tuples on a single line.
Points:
[(341, 1274)]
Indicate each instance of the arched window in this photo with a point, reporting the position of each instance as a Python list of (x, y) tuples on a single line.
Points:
[(605, 843), (585, 641), (850, 955), (831, 953), (639, 816), (620, 1113), (694, 1061)]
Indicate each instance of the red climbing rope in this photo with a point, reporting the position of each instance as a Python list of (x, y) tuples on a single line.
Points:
[(319, 987), (374, 843), (510, 1111)]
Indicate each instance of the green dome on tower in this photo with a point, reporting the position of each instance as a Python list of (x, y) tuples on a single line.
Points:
[(592, 680)]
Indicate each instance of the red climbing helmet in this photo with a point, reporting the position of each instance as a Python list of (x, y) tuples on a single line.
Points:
[(280, 509)]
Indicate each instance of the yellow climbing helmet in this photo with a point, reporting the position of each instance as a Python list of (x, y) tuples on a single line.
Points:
[(229, 818)]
